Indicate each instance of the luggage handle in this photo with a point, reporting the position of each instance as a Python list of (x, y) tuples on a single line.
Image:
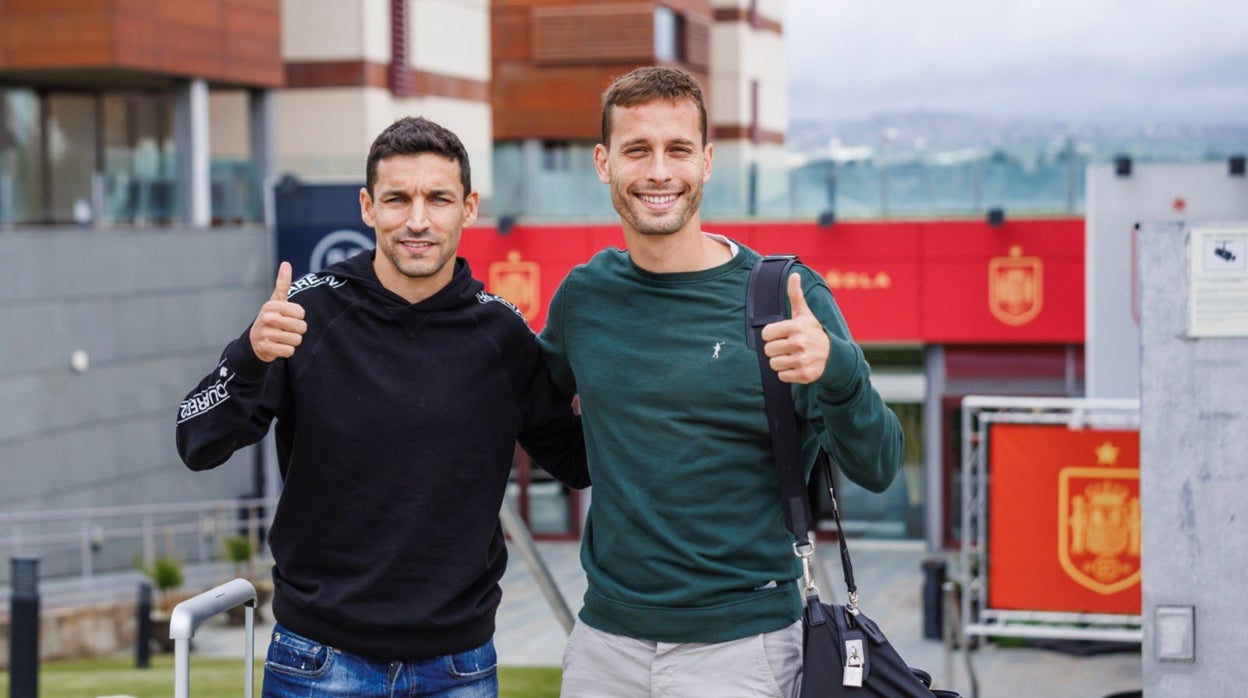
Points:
[(189, 614)]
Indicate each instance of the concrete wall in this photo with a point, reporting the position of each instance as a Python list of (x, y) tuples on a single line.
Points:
[(1193, 441), (97, 630), (151, 311)]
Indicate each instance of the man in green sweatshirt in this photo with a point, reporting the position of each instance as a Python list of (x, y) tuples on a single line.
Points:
[(693, 587)]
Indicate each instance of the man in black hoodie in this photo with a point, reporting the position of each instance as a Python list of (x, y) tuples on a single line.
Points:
[(400, 388)]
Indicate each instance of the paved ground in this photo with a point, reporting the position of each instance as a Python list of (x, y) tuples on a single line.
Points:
[(890, 584)]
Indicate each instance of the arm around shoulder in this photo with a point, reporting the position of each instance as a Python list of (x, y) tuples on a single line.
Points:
[(550, 431)]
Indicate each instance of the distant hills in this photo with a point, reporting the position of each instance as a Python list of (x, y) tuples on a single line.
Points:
[(909, 133)]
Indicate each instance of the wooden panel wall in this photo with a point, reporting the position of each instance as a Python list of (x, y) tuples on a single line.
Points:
[(553, 58), (224, 41), (699, 44), (616, 33)]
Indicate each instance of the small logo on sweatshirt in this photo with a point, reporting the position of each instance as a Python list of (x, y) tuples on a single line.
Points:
[(718, 346)]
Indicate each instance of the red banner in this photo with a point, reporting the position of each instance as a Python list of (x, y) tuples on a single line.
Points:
[(897, 281), (872, 270), (1019, 283), (1064, 519)]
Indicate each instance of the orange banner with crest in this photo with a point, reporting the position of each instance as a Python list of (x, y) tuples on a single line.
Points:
[(1064, 519)]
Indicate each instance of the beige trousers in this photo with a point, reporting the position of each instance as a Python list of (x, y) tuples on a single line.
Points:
[(597, 664)]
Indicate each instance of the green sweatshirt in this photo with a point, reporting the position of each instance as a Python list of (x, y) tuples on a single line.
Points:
[(685, 539)]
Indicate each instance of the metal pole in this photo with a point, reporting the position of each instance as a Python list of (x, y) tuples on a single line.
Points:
[(977, 184), (887, 136), (182, 668), (946, 629), (24, 628), (1072, 173), (752, 190), (249, 651), (99, 200), (829, 187), (883, 182), (7, 211), (520, 535), (954, 635), (143, 623)]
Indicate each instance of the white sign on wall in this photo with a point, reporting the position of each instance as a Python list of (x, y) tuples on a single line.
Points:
[(1218, 302)]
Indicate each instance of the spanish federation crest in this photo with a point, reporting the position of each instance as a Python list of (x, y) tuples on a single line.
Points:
[(1015, 287), (1099, 525), (519, 282)]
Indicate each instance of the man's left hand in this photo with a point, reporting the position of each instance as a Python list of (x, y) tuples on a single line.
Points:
[(798, 347)]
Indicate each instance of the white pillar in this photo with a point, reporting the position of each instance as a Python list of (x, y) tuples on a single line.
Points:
[(191, 141), (262, 112)]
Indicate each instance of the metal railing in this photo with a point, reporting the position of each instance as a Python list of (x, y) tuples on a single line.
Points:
[(189, 531), (95, 552)]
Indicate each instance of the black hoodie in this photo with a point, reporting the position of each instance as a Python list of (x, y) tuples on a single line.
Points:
[(396, 427)]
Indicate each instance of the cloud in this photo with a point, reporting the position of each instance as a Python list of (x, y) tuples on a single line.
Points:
[(1077, 60)]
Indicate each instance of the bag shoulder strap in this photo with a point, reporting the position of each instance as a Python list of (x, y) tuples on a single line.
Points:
[(764, 304)]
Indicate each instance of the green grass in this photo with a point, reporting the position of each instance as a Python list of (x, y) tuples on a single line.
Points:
[(216, 678)]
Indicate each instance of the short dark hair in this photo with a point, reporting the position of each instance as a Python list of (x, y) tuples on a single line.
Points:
[(413, 135), (647, 84)]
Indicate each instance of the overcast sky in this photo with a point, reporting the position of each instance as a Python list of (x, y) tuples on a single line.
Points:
[(1135, 61)]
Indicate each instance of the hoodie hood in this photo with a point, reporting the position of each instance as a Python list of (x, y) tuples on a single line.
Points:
[(461, 290)]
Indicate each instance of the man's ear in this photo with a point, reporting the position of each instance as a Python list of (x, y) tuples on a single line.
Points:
[(470, 208), (709, 151), (600, 163), (366, 208)]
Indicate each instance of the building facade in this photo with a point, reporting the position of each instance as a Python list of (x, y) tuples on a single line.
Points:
[(106, 109), (123, 121), (139, 142), (553, 58), (354, 66)]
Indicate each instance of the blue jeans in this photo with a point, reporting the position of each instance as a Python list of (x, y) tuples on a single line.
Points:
[(303, 668)]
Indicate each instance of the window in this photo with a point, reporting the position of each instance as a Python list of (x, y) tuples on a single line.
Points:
[(669, 35), (21, 165), (69, 156), (556, 156)]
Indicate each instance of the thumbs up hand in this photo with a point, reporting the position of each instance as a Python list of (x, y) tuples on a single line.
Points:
[(279, 326), (799, 346)]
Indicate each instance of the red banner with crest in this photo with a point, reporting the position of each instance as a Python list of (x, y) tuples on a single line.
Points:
[(941, 281), (1064, 519)]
